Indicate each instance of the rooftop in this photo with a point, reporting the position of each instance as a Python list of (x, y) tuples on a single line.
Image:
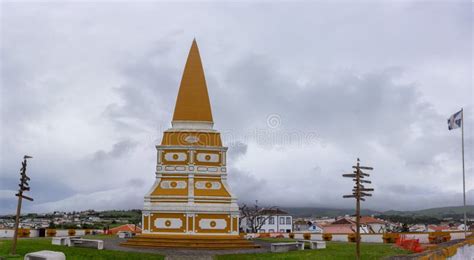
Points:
[(338, 229)]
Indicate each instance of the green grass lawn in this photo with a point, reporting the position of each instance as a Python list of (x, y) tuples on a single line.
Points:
[(37, 244), (99, 236), (276, 240), (334, 250)]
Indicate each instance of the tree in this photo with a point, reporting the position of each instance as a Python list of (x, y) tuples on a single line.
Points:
[(254, 216), (52, 225), (405, 228)]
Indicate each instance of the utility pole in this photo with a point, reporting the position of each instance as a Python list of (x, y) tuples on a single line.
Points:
[(359, 192), (23, 187)]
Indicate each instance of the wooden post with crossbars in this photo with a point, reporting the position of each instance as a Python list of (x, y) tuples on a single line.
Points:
[(23, 187), (359, 192)]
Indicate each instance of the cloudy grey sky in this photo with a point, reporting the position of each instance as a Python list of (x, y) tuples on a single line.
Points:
[(299, 91)]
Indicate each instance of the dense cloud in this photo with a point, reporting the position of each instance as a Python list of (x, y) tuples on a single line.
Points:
[(298, 91)]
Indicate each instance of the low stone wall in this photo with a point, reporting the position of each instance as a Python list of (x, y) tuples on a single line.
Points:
[(423, 237), (457, 235), (372, 238), (62, 232), (299, 236), (5, 233), (340, 237), (316, 236), (34, 233)]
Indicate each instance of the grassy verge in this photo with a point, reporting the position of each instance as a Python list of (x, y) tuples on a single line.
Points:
[(37, 244), (334, 251)]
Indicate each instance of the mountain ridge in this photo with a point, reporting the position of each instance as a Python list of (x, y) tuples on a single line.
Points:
[(440, 212)]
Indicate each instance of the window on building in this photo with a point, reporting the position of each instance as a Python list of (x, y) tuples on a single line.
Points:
[(288, 220), (282, 230), (282, 220), (271, 220), (271, 230), (262, 230)]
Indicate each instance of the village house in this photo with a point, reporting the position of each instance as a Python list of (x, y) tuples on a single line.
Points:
[(274, 220), (125, 228), (323, 221), (374, 225), (368, 225), (339, 229), (316, 228), (459, 227), (306, 225), (434, 228), (417, 228), (301, 225)]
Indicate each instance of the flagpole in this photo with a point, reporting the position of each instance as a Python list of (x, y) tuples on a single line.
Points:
[(463, 174)]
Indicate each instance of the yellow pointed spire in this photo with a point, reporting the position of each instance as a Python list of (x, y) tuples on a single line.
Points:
[(193, 103)]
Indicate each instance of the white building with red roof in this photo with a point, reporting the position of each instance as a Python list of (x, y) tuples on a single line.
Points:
[(435, 228), (127, 227), (367, 225)]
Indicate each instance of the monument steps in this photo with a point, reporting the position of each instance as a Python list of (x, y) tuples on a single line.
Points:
[(191, 246), (191, 243), (182, 236), (204, 241)]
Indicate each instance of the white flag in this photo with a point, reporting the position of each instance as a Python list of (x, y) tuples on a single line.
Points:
[(455, 121)]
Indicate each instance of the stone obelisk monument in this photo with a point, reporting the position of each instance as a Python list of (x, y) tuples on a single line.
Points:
[(190, 199)]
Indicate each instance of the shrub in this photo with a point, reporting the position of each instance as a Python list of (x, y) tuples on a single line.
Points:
[(390, 237), (23, 232), (307, 236), (71, 232), (327, 237), (439, 237), (292, 235), (280, 236), (51, 232), (352, 237), (87, 232)]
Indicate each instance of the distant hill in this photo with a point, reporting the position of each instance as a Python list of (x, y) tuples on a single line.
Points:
[(326, 212), (334, 212), (434, 212), (134, 215)]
